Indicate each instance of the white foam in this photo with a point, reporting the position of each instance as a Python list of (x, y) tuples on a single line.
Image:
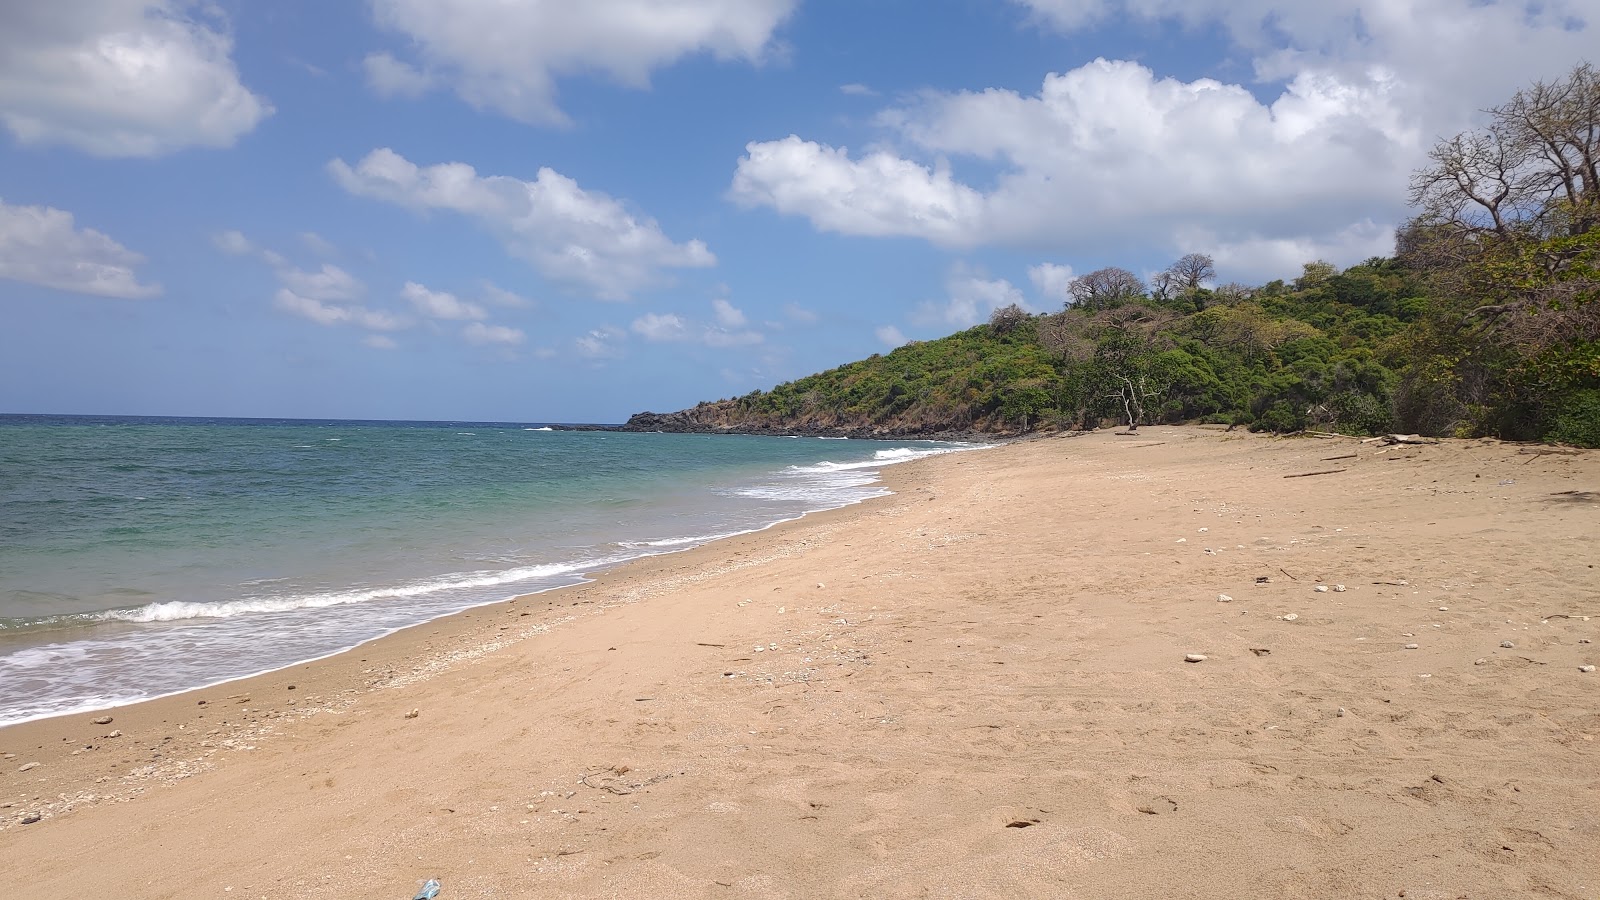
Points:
[(174, 611)]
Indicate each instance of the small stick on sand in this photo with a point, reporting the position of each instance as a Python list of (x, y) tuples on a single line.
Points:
[(1323, 472)]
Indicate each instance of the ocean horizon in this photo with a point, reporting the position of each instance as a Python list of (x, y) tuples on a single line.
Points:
[(142, 556)]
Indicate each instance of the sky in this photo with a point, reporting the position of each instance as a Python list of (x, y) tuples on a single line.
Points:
[(552, 211)]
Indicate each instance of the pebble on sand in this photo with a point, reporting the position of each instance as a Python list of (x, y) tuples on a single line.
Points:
[(103, 720), (1194, 657), (1224, 598), (1411, 646), (30, 818), (1291, 617), (1586, 668), (1338, 589), (1507, 645), (29, 767), (1321, 589), (414, 713)]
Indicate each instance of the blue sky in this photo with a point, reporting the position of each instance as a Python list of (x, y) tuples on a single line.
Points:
[(556, 211)]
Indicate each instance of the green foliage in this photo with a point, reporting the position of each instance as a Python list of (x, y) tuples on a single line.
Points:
[(1578, 422), (1485, 323)]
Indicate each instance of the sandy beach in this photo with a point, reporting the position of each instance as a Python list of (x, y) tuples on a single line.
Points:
[(977, 687)]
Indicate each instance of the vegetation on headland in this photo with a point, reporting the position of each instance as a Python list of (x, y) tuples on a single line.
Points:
[(1484, 322)]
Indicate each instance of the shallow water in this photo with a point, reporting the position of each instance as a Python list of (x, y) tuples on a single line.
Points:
[(141, 557)]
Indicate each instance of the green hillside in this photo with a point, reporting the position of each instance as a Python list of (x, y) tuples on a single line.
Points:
[(1483, 323)]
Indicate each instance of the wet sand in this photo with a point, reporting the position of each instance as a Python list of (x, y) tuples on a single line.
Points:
[(974, 688)]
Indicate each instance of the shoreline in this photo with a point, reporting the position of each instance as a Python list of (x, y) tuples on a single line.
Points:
[(575, 575), (975, 686)]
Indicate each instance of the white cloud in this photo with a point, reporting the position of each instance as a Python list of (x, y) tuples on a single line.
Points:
[(857, 90), (723, 337), (318, 244), (389, 77), (507, 57), (121, 77), (800, 314), (328, 283), (601, 343), (479, 333), (971, 299), (582, 238), (499, 296), (1257, 258), (1051, 280), (336, 314), (233, 243), (440, 305), (727, 332), (379, 342), (1451, 57), (728, 315), (41, 245), (658, 327), (879, 195), (891, 336), (1346, 98)]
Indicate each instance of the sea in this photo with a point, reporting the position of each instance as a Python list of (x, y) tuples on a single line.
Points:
[(141, 557)]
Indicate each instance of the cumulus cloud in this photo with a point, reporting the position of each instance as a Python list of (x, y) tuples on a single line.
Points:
[(42, 245), (878, 195), (318, 244), (857, 90), (233, 243), (971, 299), (799, 314), (728, 315), (327, 283), (336, 314), (1347, 97), (507, 57), (121, 78), (659, 327), (1050, 280), (1452, 57), (440, 305), (583, 238), (727, 331), (389, 77), (480, 333), (891, 336), (379, 342), (499, 296), (601, 343)]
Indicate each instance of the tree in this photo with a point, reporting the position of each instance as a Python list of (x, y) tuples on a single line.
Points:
[(1506, 211), (1192, 271), (1104, 289), (1315, 273), (1007, 319), (1508, 232)]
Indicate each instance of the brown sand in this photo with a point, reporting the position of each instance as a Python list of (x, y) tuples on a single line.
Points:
[(975, 688)]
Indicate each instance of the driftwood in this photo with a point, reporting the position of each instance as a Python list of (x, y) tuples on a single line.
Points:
[(1408, 439), (1346, 456), (1333, 434), (1323, 472), (1550, 451)]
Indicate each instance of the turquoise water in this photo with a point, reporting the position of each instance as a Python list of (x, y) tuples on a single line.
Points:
[(140, 557)]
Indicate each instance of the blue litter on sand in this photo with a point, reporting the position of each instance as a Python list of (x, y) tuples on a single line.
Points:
[(429, 890)]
